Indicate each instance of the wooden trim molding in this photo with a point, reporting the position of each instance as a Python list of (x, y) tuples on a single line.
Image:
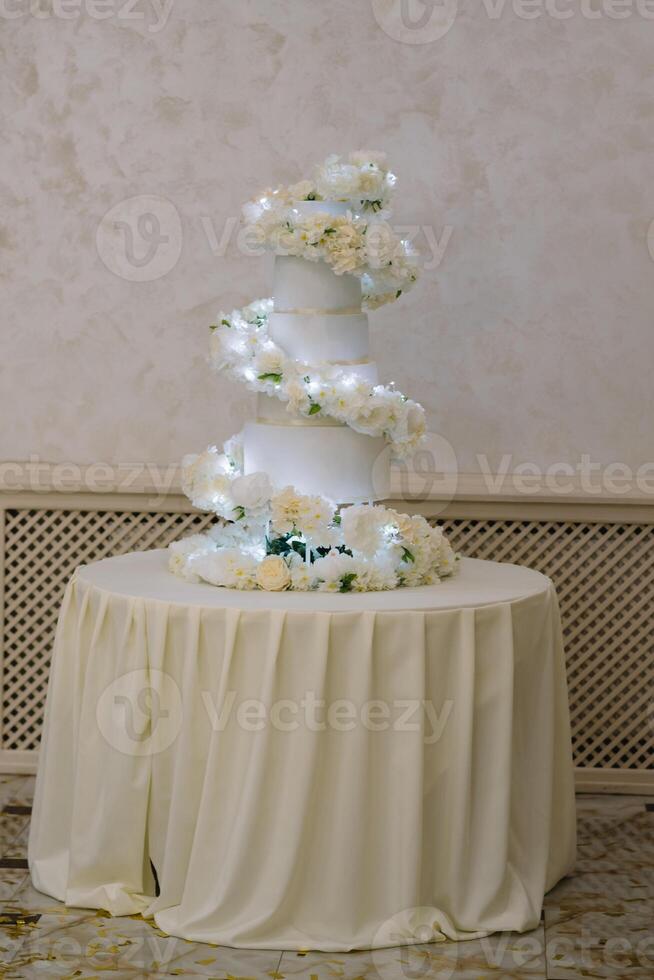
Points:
[(558, 485)]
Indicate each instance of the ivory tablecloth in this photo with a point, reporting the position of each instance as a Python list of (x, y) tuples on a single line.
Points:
[(432, 793)]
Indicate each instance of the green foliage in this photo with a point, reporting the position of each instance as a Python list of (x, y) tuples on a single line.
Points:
[(270, 376), (284, 545), (346, 582), (315, 408), (278, 546)]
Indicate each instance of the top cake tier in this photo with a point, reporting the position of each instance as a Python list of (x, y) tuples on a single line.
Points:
[(303, 286)]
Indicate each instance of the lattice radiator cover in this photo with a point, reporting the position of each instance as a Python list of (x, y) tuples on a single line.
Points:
[(604, 574)]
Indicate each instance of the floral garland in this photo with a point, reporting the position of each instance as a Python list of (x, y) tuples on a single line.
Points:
[(277, 539), (360, 243), (241, 346)]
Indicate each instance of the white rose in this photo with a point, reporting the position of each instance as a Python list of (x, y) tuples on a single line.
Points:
[(270, 361), (252, 491), (336, 180), (273, 574)]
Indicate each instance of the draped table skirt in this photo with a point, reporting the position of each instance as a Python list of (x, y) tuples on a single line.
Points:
[(306, 771)]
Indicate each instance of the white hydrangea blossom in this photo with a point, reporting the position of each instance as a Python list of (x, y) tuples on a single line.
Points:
[(227, 567), (364, 529)]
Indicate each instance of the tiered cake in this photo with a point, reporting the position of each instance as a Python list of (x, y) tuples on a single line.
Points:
[(325, 427), (317, 319)]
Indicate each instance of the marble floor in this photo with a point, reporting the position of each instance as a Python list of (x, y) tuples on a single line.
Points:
[(598, 923)]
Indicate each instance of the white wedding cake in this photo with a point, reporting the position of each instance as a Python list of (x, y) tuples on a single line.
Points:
[(317, 319), (325, 427)]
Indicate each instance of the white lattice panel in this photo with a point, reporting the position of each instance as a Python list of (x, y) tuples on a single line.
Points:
[(604, 575), (42, 549)]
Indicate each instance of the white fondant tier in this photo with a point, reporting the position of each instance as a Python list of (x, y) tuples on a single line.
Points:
[(316, 337), (304, 286), (317, 319), (335, 461)]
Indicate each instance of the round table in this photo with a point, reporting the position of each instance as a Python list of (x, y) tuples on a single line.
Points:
[(302, 770)]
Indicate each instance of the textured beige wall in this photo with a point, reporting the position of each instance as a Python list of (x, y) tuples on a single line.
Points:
[(530, 138)]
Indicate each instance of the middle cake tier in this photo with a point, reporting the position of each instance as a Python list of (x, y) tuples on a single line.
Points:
[(336, 339), (318, 454)]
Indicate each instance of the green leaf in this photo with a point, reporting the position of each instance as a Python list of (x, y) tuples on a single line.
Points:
[(336, 519), (240, 513), (271, 376), (407, 555), (398, 294), (225, 322), (315, 408), (300, 547), (278, 546), (346, 581)]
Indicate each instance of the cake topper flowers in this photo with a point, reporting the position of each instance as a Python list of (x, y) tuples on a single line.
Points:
[(360, 243)]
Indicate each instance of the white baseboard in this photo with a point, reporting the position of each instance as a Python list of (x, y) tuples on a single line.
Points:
[(18, 762), (638, 782)]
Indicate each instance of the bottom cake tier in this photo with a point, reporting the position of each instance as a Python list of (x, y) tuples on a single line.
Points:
[(332, 460)]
